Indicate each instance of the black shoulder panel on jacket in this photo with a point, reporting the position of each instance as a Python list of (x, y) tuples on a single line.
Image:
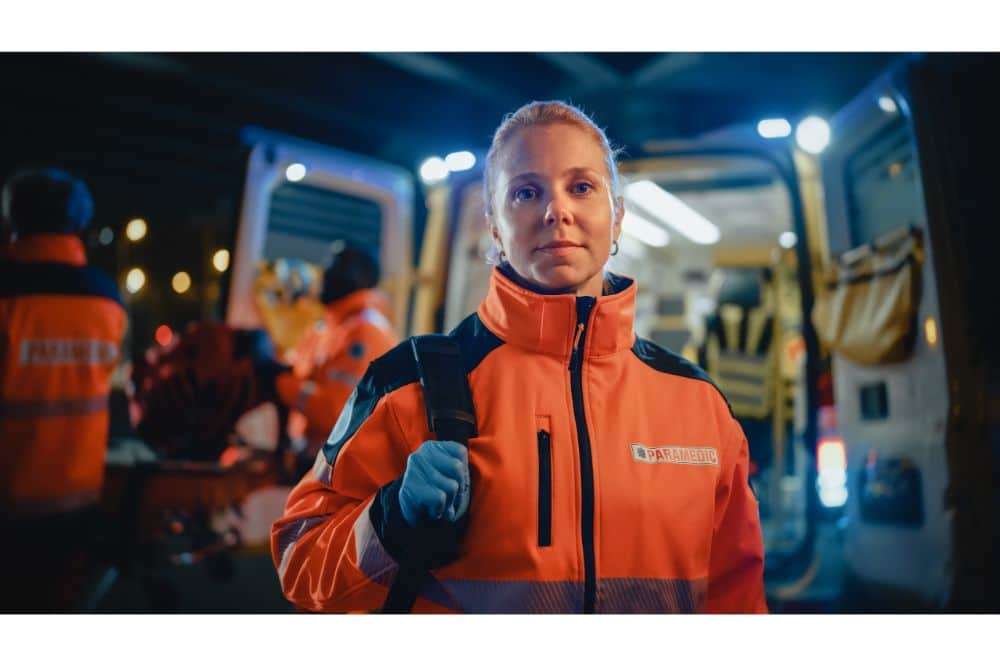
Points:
[(475, 341), (397, 368), (664, 360), (390, 371), (41, 278)]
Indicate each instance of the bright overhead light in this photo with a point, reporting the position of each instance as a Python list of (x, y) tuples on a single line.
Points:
[(295, 172), (787, 239), (136, 229), (181, 282), (433, 170), (134, 280), (221, 260), (774, 128), (887, 104), (671, 211), (460, 161), (643, 230), (813, 135)]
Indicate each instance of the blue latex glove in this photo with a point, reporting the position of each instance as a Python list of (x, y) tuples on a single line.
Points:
[(436, 482)]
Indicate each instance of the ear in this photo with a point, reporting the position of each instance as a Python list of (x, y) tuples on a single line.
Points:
[(494, 231), (619, 212)]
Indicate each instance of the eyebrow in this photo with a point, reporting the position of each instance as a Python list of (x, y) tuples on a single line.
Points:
[(569, 171)]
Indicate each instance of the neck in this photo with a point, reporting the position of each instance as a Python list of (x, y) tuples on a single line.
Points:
[(520, 281)]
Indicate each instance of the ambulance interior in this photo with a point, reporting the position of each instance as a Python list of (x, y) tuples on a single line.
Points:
[(710, 242)]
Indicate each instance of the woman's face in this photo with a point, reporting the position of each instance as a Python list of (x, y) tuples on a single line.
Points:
[(554, 213)]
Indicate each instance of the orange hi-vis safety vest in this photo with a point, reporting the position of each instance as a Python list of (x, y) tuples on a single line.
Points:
[(608, 475), (330, 360), (61, 327)]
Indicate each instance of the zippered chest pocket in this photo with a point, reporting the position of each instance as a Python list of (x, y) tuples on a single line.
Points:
[(544, 438)]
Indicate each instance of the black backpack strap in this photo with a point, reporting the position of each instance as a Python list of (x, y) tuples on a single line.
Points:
[(447, 396), (450, 416)]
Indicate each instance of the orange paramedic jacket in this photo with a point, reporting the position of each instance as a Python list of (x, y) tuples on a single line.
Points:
[(61, 326), (608, 475), (330, 360)]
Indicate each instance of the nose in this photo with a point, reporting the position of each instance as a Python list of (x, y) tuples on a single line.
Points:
[(558, 210)]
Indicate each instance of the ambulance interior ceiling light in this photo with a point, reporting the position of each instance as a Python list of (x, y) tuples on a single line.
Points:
[(433, 170), (221, 260), (463, 160), (136, 229), (134, 280), (671, 211), (887, 104), (813, 135), (295, 172), (787, 239), (774, 128), (643, 230)]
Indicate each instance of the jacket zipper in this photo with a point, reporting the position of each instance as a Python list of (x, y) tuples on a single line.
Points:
[(583, 307), (544, 489)]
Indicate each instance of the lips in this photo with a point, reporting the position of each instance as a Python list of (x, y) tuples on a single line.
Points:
[(558, 247)]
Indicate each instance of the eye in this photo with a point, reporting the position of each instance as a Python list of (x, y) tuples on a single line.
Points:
[(582, 187), (525, 194)]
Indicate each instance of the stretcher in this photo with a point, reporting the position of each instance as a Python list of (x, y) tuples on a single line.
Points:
[(162, 514)]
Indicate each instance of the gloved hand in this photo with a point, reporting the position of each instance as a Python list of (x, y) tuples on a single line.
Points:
[(436, 482)]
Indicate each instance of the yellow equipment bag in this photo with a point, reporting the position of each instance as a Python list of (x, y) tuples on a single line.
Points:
[(286, 292), (867, 312)]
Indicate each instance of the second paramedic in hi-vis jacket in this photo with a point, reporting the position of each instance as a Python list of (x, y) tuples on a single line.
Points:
[(61, 328), (330, 359), (608, 474)]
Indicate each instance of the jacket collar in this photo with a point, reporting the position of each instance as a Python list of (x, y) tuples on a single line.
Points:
[(546, 323), (371, 300), (54, 248)]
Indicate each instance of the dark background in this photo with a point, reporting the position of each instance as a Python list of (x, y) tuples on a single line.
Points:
[(158, 135)]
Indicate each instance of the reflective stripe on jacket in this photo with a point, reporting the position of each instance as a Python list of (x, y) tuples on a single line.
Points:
[(61, 326), (330, 360), (608, 475)]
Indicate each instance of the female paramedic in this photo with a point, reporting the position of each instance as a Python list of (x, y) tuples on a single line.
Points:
[(607, 474)]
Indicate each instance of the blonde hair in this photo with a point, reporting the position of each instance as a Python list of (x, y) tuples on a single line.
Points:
[(546, 113)]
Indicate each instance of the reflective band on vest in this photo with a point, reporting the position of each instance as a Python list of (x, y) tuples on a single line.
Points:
[(68, 351), (376, 318), (38, 408), (335, 375)]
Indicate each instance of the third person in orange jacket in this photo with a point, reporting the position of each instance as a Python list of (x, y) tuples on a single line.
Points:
[(331, 358), (608, 474)]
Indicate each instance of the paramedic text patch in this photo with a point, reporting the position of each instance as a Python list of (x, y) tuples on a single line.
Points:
[(679, 455)]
